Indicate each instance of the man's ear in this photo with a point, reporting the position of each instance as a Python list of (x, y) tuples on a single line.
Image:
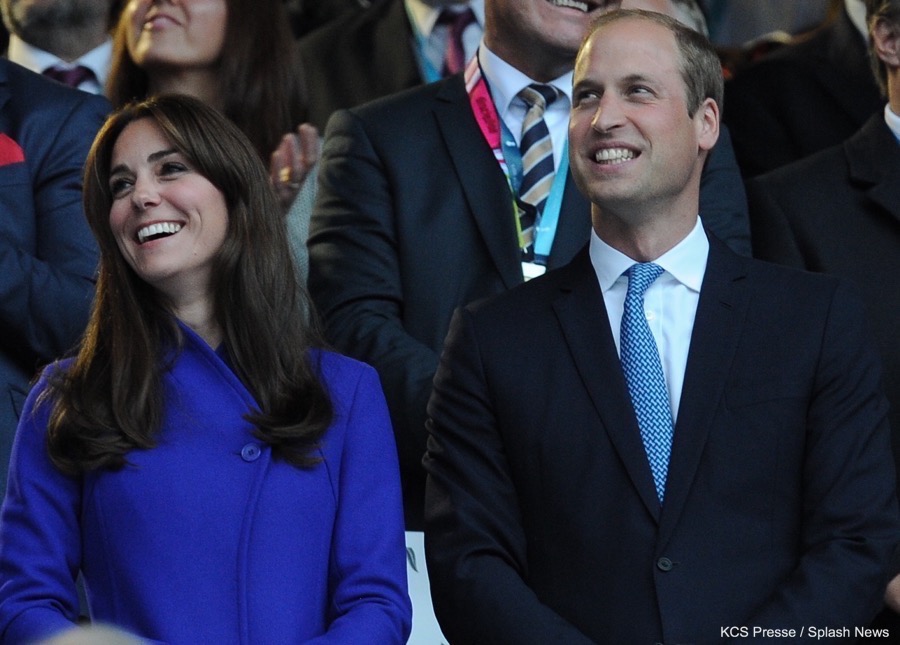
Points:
[(886, 41), (706, 119)]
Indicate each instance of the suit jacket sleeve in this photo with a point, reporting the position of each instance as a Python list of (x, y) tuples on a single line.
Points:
[(841, 574), (475, 544), (48, 258), (355, 280), (723, 203)]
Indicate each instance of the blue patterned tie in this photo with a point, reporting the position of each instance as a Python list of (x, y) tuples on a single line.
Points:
[(644, 374)]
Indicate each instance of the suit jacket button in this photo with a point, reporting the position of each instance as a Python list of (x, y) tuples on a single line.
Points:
[(664, 564), (250, 452)]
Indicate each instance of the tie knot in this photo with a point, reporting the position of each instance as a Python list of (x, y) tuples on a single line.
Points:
[(457, 21), (641, 276), (72, 76), (539, 95)]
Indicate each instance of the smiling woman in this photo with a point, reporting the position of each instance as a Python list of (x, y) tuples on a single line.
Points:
[(201, 433), (169, 221)]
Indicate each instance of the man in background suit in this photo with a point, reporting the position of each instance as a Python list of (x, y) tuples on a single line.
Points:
[(753, 491), (67, 40), (838, 212), (804, 97), (48, 256), (414, 215), (391, 46)]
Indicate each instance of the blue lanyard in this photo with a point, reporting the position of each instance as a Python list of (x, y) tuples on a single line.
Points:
[(545, 229), (429, 73)]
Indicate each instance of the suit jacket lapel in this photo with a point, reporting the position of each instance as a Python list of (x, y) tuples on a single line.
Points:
[(724, 298), (483, 182), (873, 155), (585, 326)]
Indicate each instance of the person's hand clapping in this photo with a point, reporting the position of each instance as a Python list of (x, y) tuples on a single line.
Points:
[(292, 160)]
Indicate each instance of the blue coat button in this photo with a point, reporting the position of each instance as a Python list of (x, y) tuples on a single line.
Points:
[(250, 452), (664, 564)]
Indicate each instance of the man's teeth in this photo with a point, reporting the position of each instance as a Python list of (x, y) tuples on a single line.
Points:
[(572, 4), (153, 230), (613, 155)]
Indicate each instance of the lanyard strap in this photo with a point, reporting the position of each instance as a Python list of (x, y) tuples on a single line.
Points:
[(509, 157)]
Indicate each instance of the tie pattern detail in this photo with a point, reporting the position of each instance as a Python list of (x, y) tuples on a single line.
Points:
[(537, 160), (644, 374), (455, 53), (73, 77)]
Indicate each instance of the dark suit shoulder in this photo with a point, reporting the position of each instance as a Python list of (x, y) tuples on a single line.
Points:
[(866, 158), (803, 172), (795, 291), (358, 58), (353, 34), (391, 122), (538, 294), (412, 101), (45, 104)]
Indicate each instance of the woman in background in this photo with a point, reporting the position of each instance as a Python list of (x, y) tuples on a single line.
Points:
[(237, 56), (213, 475)]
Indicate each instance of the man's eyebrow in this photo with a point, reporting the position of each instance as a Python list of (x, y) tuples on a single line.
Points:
[(636, 78)]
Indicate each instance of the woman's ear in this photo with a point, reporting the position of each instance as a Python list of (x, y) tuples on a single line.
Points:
[(886, 41)]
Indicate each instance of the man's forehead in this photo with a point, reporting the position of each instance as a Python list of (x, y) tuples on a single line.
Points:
[(643, 36)]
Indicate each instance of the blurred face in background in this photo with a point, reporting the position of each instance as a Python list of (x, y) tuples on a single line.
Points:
[(34, 21), (188, 34), (540, 37)]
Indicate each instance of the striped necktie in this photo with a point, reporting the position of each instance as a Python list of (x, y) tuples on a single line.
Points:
[(537, 161), (644, 374)]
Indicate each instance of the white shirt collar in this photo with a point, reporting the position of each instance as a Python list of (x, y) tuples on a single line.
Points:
[(686, 261), (37, 60), (892, 120), (505, 81), (424, 16), (856, 10)]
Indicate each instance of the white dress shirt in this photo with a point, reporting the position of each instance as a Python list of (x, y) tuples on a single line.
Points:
[(670, 303), (505, 82), (37, 60)]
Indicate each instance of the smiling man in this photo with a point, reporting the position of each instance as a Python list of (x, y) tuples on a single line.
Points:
[(682, 445), (444, 194)]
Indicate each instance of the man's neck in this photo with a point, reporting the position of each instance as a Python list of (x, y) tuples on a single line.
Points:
[(539, 66), (68, 44)]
